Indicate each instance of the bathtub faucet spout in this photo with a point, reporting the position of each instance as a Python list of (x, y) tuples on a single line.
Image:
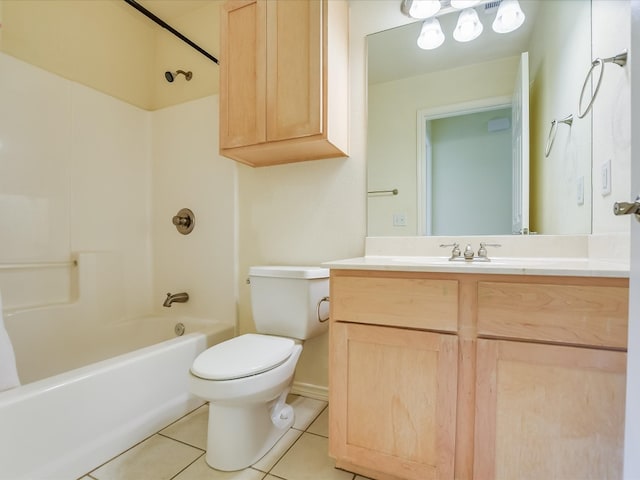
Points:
[(176, 297)]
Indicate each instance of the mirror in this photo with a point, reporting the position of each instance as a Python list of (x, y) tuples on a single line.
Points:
[(422, 103)]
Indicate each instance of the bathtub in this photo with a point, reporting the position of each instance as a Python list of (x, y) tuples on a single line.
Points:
[(64, 424)]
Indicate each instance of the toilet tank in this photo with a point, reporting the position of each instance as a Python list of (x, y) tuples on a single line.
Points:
[(284, 300)]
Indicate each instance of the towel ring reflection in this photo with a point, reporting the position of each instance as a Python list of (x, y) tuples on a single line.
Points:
[(620, 59), (568, 120)]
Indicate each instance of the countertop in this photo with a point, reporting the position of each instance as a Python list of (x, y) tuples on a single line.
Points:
[(559, 266)]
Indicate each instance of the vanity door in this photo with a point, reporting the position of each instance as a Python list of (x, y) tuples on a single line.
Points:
[(393, 401), (548, 411)]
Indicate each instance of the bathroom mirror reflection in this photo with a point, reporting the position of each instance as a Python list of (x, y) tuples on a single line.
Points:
[(440, 127)]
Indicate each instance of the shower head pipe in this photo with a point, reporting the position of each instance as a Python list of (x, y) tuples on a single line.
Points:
[(171, 76), (165, 25)]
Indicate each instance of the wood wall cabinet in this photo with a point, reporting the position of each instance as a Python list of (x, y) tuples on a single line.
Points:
[(483, 377), (283, 80)]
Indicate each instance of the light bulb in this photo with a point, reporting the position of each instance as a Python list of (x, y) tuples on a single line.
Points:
[(424, 8), (509, 17), (431, 35), (468, 27)]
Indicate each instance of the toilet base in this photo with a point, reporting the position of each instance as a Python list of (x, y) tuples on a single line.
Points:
[(239, 436)]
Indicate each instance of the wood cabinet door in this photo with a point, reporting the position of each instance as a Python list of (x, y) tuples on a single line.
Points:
[(242, 73), (393, 400), (547, 411), (294, 69)]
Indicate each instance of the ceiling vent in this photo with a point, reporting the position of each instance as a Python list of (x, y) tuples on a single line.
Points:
[(491, 7)]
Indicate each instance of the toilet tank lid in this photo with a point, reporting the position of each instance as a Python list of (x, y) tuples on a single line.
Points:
[(289, 272)]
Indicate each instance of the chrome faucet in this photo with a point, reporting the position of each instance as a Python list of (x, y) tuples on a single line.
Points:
[(468, 255), (176, 297), (455, 252), (482, 252)]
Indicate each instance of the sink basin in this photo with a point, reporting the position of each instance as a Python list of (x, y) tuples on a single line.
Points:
[(513, 262), (524, 262), (496, 261), (422, 260)]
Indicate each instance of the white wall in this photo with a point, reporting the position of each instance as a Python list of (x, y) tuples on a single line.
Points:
[(75, 176), (300, 214), (560, 55), (189, 173), (612, 115)]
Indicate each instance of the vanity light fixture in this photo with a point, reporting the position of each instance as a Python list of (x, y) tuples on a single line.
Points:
[(420, 8), (509, 18), (431, 35), (468, 27), (462, 4)]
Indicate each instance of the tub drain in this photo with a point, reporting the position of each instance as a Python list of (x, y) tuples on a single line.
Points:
[(179, 329)]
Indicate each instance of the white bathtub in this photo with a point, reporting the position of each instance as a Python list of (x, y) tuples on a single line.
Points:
[(62, 426)]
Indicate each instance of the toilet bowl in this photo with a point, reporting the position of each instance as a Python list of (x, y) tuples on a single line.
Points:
[(246, 380)]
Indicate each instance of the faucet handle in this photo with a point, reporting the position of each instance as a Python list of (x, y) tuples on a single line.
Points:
[(482, 252), (455, 252)]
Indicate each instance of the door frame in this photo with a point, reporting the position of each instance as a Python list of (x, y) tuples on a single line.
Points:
[(632, 414)]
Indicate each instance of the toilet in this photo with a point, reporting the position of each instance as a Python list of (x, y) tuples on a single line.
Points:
[(246, 380)]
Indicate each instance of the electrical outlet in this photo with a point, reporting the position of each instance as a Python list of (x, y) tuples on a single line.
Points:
[(606, 178), (399, 220), (580, 191)]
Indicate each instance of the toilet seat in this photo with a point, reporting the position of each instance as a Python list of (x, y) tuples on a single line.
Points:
[(242, 356)]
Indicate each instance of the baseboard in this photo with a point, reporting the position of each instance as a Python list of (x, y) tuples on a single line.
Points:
[(312, 391)]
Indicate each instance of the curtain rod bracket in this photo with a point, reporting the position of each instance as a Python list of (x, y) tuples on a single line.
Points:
[(165, 25)]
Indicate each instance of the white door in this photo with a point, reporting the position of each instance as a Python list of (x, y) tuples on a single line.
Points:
[(520, 145), (632, 419)]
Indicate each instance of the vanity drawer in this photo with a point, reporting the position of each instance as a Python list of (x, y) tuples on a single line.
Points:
[(413, 302), (581, 313)]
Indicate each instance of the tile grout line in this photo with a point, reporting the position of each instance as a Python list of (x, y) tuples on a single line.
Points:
[(194, 461), (297, 439), (117, 456), (184, 416), (181, 441), (142, 441)]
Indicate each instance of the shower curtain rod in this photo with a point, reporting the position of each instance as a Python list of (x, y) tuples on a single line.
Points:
[(164, 24)]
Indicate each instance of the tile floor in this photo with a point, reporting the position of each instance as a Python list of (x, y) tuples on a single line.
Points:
[(177, 452)]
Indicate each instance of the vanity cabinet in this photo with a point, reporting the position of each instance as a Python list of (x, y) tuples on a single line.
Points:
[(393, 386), (283, 80), (394, 405), (551, 404), (438, 375), (548, 411)]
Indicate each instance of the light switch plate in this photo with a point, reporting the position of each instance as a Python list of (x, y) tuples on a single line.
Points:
[(399, 220)]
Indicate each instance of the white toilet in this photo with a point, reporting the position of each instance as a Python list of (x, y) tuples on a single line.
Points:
[(246, 379)]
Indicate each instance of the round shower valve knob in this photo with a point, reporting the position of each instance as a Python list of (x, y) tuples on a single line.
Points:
[(184, 221)]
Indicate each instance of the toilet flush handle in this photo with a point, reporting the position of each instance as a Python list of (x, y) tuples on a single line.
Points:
[(323, 299)]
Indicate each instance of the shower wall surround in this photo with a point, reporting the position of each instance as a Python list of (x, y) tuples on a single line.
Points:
[(75, 176), (83, 171)]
